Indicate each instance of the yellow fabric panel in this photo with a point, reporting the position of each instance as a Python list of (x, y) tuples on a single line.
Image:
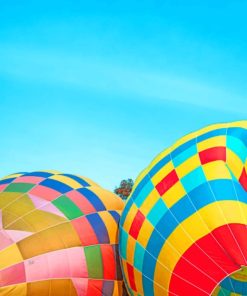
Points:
[(142, 174), (16, 290), (218, 141), (37, 220), (55, 238), (174, 194), (216, 291), (56, 287), (188, 166), (159, 157), (51, 171), (117, 288), (163, 172), (234, 163), (145, 231), (214, 217), (240, 123), (159, 289), (138, 281), (8, 197), (66, 180), (213, 170), (240, 275), (111, 226), (20, 207), (161, 274), (149, 202), (109, 199), (12, 176), (89, 181), (131, 250), (10, 256), (128, 221)]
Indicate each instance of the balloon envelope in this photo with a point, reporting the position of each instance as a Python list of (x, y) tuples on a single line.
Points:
[(58, 236), (183, 230)]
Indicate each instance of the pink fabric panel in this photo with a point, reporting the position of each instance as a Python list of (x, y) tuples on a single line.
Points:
[(80, 286), (50, 208), (66, 263), (45, 192), (13, 275), (83, 204), (5, 240), (1, 220), (17, 235), (3, 186), (28, 179), (37, 201)]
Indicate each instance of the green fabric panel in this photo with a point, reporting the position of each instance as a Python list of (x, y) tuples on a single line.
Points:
[(19, 187), (66, 206), (224, 292), (94, 262)]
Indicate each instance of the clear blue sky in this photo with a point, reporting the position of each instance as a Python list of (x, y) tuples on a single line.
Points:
[(100, 87)]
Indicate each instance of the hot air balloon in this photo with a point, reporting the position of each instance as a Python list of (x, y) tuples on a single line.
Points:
[(59, 236), (184, 228)]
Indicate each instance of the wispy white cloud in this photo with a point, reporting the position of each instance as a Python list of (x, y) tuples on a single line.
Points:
[(90, 72)]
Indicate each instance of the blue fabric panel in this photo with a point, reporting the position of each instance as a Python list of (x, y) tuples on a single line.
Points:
[(145, 191), (193, 179), (239, 133), (183, 156), (139, 256), (211, 134), (239, 287), (108, 287), (115, 215), (123, 239), (149, 264), (159, 165), (56, 185), (99, 228), (7, 181), (77, 179), (237, 146), (39, 174), (155, 243), (183, 148), (157, 212), (93, 198)]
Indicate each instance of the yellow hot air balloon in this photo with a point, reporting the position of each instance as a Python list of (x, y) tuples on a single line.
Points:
[(184, 228), (58, 236)]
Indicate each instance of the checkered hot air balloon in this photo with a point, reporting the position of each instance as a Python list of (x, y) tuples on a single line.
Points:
[(58, 236), (184, 228)]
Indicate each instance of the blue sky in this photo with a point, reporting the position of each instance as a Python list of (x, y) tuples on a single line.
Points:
[(98, 88)]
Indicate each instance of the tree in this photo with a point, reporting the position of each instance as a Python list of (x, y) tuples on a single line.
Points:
[(124, 188)]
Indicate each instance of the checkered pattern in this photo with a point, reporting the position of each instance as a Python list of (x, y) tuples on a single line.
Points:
[(58, 236), (183, 229)]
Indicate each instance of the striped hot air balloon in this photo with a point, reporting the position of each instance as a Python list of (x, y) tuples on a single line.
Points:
[(58, 236), (184, 228)]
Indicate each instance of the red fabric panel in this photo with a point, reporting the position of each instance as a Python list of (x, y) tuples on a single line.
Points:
[(85, 231), (216, 263), (212, 154), (94, 287), (166, 183), (243, 179), (82, 203), (109, 263), (131, 276), (136, 224)]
